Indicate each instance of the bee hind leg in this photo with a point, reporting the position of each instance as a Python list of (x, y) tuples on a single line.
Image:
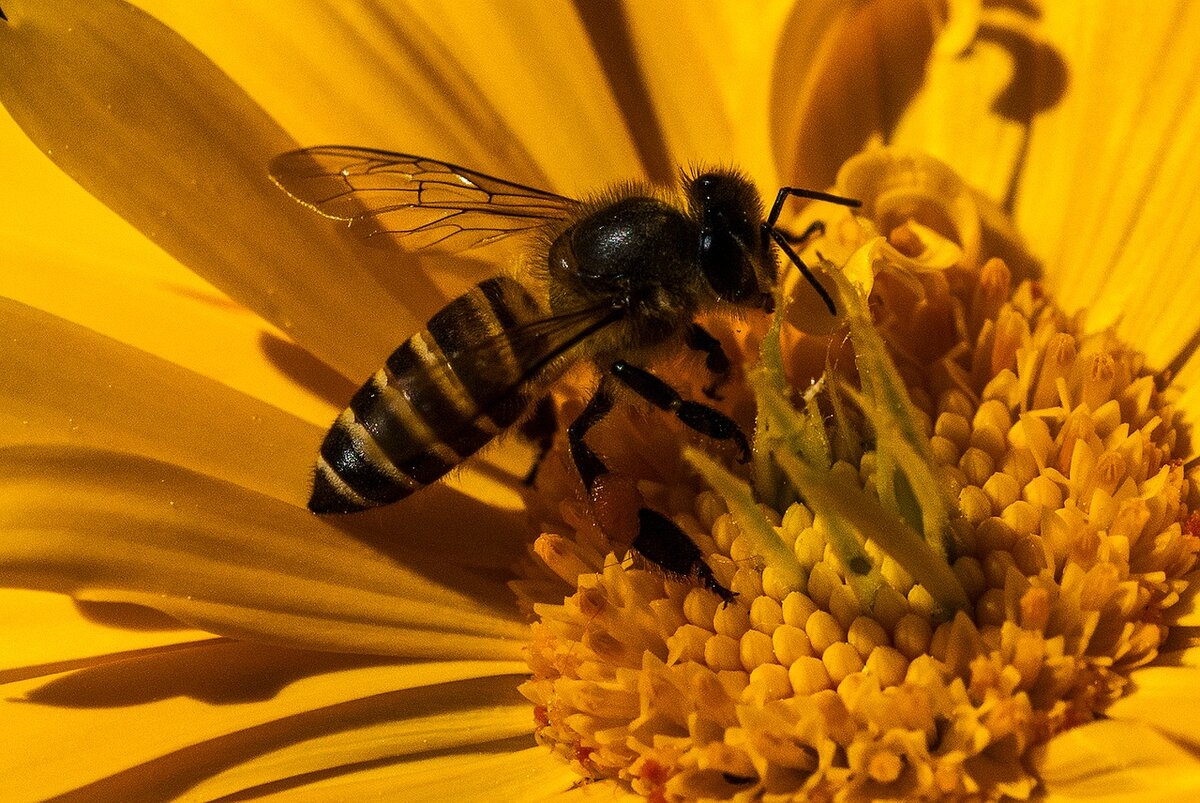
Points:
[(658, 540), (589, 465), (715, 359)]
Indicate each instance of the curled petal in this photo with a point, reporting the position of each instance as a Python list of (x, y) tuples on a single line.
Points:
[(897, 187)]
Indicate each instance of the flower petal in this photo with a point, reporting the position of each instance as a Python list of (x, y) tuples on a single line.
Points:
[(96, 392), (44, 632), (708, 72), (461, 719), (499, 771), (144, 122), (1157, 693), (1111, 760), (112, 527), (191, 714), (372, 74), (1111, 178), (540, 75)]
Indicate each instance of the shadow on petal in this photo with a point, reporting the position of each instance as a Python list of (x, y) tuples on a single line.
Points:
[(305, 370), (106, 526), (220, 672), (260, 714)]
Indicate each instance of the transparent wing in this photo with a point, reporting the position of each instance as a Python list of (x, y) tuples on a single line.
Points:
[(423, 202), (522, 354), (516, 364)]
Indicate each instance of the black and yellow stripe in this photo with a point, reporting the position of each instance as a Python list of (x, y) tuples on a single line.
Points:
[(443, 394)]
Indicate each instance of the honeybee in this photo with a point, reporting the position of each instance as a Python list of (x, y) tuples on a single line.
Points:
[(619, 280)]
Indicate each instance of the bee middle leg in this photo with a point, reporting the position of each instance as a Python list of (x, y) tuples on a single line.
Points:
[(715, 359), (700, 417)]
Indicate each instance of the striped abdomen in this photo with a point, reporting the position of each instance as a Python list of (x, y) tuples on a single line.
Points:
[(447, 391)]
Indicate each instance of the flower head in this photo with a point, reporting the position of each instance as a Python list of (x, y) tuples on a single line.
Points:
[(1057, 500), (950, 556)]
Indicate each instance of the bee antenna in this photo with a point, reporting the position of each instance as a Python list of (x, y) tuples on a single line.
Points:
[(787, 249), (769, 230)]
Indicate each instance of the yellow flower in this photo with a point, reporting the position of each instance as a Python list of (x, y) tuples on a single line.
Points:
[(157, 436)]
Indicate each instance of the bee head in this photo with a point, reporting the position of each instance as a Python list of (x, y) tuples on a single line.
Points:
[(737, 263)]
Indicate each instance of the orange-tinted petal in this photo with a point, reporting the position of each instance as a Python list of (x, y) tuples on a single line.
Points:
[(710, 72), (869, 60), (147, 124), (467, 719), (65, 384), (46, 633), (111, 527), (96, 392), (543, 78), (154, 726), (499, 771), (1111, 761), (371, 74)]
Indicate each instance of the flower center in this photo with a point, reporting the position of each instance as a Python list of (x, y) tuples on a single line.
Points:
[(954, 547)]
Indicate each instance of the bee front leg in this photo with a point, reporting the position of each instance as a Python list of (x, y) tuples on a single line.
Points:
[(715, 359)]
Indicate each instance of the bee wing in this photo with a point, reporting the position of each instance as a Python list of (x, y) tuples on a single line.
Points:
[(424, 202), (523, 353)]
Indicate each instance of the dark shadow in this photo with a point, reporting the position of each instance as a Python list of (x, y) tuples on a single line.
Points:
[(1039, 83), (434, 524), (127, 616), (608, 28), (306, 370), (219, 672), (496, 747)]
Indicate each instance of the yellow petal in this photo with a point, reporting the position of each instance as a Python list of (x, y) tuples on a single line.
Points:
[(461, 719), (973, 104), (46, 632), (1186, 612), (1111, 174), (501, 771), (144, 122), (1158, 694), (111, 527), (1112, 761), (365, 74), (64, 384), (709, 72), (153, 726), (540, 74), (89, 390)]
